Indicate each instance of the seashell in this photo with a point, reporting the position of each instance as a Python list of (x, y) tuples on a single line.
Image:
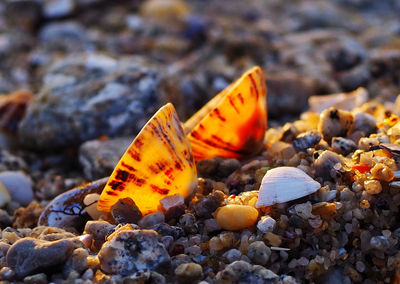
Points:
[(392, 149), (12, 110), (233, 123), (158, 163), (68, 210), (284, 184), (344, 101)]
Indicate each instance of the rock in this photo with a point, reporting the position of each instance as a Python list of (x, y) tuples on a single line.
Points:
[(258, 252), (58, 8), (207, 205), (325, 163), (18, 185), (40, 278), (266, 224), (125, 211), (232, 255), (343, 146), (307, 140), (99, 158), (236, 217), (152, 219), (335, 123), (76, 262), (129, 251), (99, 230), (67, 36), (288, 94), (189, 272), (243, 272), (365, 122), (145, 277), (188, 223), (29, 254), (86, 96)]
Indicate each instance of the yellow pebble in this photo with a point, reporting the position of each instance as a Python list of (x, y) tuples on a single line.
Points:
[(236, 217)]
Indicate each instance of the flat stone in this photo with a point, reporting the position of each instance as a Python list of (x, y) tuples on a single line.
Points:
[(29, 254)]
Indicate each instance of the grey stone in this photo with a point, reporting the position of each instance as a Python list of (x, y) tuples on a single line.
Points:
[(86, 96), (131, 251), (99, 158), (29, 254), (258, 252)]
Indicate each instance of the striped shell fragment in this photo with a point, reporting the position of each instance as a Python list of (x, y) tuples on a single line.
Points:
[(157, 164), (233, 123)]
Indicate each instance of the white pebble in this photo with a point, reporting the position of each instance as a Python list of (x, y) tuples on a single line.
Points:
[(18, 185), (266, 224)]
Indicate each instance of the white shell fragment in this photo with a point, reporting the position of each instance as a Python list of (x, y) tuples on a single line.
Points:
[(284, 184)]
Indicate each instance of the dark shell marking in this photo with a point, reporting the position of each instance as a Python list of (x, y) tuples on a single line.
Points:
[(393, 149), (67, 210)]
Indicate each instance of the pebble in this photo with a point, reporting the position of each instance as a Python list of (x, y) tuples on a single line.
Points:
[(151, 220), (365, 122), (243, 272), (171, 201), (126, 211), (307, 140), (76, 262), (129, 251), (211, 225), (304, 210), (259, 253), (232, 255), (18, 185), (335, 123), (188, 223), (325, 163), (189, 272), (343, 146), (40, 278), (29, 254), (266, 224), (207, 205), (236, 217), (380, 243), (373, 186)]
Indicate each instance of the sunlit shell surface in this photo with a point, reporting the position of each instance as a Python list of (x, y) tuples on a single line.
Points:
[(233, 123), (158, 163), (284, 184)]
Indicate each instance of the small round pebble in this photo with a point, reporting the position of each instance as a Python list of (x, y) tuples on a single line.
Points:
[(40, 278), (19, 185), (151, 220), (236, 217), (189, 272), (258, 252)]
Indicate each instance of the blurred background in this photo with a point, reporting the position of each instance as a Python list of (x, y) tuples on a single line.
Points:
[(102, 68)]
